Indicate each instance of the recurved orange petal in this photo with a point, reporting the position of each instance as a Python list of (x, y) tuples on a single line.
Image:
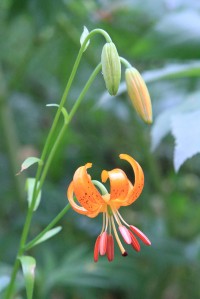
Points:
[(70, 196), (86, 193), (77, 208), (119, 184), (136, 189), (96, 212)]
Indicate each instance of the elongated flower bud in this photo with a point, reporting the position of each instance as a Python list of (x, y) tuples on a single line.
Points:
[(111, 67), (139, 94)]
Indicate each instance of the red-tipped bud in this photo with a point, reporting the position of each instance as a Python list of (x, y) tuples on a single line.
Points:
[(139, 94), (140, 235), (110, 248)]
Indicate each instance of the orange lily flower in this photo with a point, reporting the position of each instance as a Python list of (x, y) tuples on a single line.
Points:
[(92, 202)]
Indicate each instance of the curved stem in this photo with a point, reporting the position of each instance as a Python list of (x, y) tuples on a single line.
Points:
[(98, 31), (125, 62)]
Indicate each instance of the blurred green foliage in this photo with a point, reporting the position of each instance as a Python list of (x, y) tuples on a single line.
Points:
[(39, 41)]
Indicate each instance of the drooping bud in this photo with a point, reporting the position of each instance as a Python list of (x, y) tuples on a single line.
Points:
[(111, 67), (139, 94)]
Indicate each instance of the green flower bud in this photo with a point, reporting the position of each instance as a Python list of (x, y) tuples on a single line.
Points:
[(139, 94), (111, 67)]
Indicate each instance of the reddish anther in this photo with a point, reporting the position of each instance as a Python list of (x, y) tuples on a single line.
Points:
[(140, 235), (135, 244), (110, 248), (125, 234), (96, 249), (103, 243)]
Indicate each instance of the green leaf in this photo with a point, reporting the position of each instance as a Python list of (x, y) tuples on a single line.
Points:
[(28, 162), (48, 235), (186, 130), (171, 71), (28, 267), (64, 111), (30, 182), (163, 123), (83, 37)]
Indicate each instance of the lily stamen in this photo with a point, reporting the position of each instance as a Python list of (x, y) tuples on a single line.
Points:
[(104, 221), (117, 218), (123, 251), (122, 219), (92, 202)]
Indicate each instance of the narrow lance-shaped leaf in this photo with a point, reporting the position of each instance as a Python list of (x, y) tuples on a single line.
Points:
[(30, 182), (28, 162), (28, 267), (48, 235)]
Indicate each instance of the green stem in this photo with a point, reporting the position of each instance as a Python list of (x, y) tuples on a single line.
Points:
[(97, 31), (43, 176), (83, 92), (63, 100), (62, 131), (48, 227), (125, 62), (43, 171)]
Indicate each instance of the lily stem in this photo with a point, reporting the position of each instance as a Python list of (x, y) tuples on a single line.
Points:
[(48, 227), (44, 173)]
